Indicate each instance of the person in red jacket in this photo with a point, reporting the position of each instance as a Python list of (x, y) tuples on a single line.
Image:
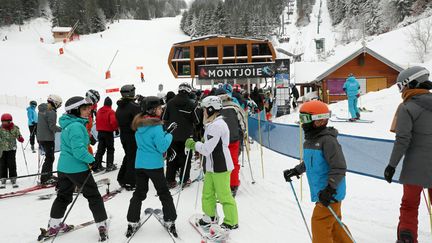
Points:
[(106, 124)]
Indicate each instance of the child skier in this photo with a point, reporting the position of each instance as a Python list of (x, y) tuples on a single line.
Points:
[(9, 132), (325, 167), (32, 123), (73, 169), (217, 166), (152, 142)]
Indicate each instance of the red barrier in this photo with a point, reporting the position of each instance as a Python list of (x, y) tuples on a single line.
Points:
[(112, 90), (42, 82)]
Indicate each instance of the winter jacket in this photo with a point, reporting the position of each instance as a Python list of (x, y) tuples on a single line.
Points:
[(351, 87), (324, 163), (234, 117), (240, 99), (152, 142), (181, 109), (127, 109), (8, 138), (47, 120), (32, 115), (106, 120), (74, 156), (414, 141), (215, 147)]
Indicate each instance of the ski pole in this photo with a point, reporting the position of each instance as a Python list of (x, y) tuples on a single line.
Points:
[(341, 224), (33, 131), (25, 159), (428, 205), (248, 158), (183, 176), (198, 187), (260, 141), (36, 174), (301, 211), (73, 203)]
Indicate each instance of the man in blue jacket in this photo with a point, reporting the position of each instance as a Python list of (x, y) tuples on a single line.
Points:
[(351, 88), (32, 122)]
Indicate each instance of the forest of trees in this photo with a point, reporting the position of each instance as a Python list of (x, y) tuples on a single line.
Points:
[(92, 14), (253, 18)]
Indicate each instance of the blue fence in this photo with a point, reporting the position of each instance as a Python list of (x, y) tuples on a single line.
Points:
[(365, 156)]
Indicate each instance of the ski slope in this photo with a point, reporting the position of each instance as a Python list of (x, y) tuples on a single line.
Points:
[(267, 209)]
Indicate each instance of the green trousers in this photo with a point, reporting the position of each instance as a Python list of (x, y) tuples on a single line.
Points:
[(217, 187)]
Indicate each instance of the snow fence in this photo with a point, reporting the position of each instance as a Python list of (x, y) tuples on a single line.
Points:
[(364, 156)]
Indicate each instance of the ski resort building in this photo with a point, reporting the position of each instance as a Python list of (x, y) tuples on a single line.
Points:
[(61, 33)]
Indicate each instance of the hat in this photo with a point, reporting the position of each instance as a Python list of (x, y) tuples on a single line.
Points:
[(108, 101)]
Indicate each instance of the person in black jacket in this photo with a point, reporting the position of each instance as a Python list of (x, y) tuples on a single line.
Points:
[(182, 110), (127, 109)]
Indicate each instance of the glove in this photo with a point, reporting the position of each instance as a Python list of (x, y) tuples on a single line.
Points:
[(171, 127), (92, 166), (171, 154), (326, 196), (92, 140), (21, 139), (117, 132), (358, 95), (290, 173), (190, 144), (388, 173)]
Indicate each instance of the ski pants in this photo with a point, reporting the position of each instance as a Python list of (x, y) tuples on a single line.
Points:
[(48, 147), (126, 173), (66, 185), (234, 148), (178, 163), (352, 107), (8, 164), (217, 187), (105, 143), (140, 194), (33, 129), (325, 228), (408, 220)]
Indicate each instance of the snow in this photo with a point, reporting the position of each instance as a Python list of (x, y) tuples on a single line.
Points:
[(267, 209), (61, 29)]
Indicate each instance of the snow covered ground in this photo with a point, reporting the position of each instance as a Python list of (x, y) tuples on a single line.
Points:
[(267, 209)]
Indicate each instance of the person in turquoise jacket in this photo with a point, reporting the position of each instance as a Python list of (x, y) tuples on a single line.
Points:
[(352, 90), (32, 118), (152, 142), (74, 169)]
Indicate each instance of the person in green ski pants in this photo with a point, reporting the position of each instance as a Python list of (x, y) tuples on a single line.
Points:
[(217, 166)]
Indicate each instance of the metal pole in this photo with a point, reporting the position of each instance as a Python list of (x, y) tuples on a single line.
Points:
[(25, 159), (184, 172), (112, 60), (341, 224), (301, 211)]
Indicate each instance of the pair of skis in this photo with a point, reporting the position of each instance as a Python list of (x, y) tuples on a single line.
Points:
[(209, 234), (25, 191), (342, 119)]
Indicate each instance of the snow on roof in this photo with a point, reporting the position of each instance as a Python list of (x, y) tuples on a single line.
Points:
[(306, 72), (61, 29)]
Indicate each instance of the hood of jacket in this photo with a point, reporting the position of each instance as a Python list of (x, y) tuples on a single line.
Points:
[(67, 119), (124, 102), (31, 108), (43, 107), (351, 80), (424, 101), (147, 123)]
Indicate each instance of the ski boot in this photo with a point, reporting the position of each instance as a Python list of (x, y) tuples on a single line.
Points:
[(103, 231), (111, 168), (229, 227), (33, 149), (172, 184), (131, 229), (205, 222), (405, 237), (234, 190), (14, 184), (3, 184), (170, 225)]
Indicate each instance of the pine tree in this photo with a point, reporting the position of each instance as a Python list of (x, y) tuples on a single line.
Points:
[(220, 19), (403, 8)]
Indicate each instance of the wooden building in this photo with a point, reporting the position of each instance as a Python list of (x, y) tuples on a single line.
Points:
[(373, 71), (61, 33), (185, 57)]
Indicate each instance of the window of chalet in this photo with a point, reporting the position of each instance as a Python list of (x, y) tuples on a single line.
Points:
[(181, 53), (199, 52)]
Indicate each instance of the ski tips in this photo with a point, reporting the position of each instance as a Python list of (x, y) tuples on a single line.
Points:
[(148, 211), (157, 211)]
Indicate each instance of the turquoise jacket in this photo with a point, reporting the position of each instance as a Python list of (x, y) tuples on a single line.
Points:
[(351, 87), (152, 142), (32, 116), (74, 156)]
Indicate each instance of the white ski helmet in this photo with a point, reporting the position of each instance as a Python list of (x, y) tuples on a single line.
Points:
[(407, 77), (211, 104), (185, 87), (55, 100)]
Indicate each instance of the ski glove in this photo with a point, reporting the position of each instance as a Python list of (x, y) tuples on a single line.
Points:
[(21, 139), (171, 127), (326, 196), (290, 173), (117, 132), (388, 173), (171, 154), (190, 144)]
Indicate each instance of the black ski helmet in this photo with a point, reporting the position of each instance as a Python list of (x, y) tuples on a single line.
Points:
[(412, 77), (33, 103), (185, 88), (149, 104), (128, 91), (93, 95), (73, 105)]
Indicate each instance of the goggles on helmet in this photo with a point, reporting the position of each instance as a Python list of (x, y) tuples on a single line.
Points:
[(308, 118), (85, 101)]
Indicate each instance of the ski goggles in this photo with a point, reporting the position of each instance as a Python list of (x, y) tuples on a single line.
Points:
[(85, 101), (400, 86), (308, 118)]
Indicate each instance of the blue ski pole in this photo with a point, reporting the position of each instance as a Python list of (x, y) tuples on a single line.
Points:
[(341, 224), (301, 211)]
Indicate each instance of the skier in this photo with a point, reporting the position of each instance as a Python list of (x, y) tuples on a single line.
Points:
[(106, 125), (94, 96), (73, 169), (127, 109), (180, 109), (325, 167), (142, 77), (9, 132), (235, 118), (413, 135), (351, 88), (46, 129), (152, 143), (32, 122), (295, 95), (217, 166)]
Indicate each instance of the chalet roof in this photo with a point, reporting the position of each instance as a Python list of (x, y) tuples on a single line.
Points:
[(208, 37), (363, 49), (305, 72), (61, 29)]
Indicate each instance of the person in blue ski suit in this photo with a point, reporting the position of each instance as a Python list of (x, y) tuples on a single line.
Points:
[(352, 90), (32, 122)]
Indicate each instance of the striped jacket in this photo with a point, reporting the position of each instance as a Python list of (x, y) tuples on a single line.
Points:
[(215, 147)]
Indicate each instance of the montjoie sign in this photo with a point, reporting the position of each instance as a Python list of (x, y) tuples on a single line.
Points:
[(230, 71)]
